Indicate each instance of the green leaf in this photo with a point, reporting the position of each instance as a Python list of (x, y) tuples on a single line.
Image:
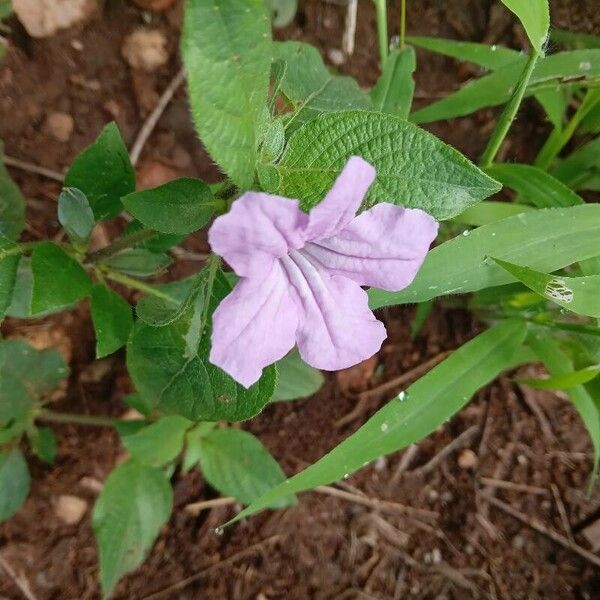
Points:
[(535, 17), (76, 216), (559, 364), (580, 295), (226, 49), (58, 279), (412, 415), (544, 240), (139, 403), (496, 88), (181, 206), (159, 243), (134, 504), (574, 170), (482, 55), (162, 371), (310, 86), (490, 212), (12, 205), (14, 483), (404, 156), (103, 172), (283, 11), (138, 262), (43, 443), (159, 443), (393, 92), (237, 464), (563, 382), (9, 266), (296, 379), (575, 40), (193, 444), (534, 186), (171, 302), (112, 318)]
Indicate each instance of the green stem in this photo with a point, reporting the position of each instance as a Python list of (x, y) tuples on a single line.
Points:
[(382, 29), (213, 267), (508, 114), (402, 23), (18, 249), (129, 241), (55, 417), (559, 139), (136, 284)]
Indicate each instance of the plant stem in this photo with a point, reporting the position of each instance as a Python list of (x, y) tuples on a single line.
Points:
[(402, 23), (136, 284), (559, 139), (508, 114), (213, 267), (17, 249), (382, 29), (129, 241), (55, 417)]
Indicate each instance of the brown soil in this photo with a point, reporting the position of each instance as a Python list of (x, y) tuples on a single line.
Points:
[(325, 547)]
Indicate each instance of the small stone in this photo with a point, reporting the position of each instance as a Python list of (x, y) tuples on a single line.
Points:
[(91, 484), (467, 459), (380, 464), (153, 173), (518, 542), (77, 45), (145, 49), (43, 18), (433, 495), (70, 509), (337, 57), (357, 377), (60, 126), (436, 556)]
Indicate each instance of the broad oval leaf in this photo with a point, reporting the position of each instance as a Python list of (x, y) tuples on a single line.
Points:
[(76, 215), (113, 319), (237, 464), (9, 265), (296, 379), (58, 279), (12, 205), (181, 206), (412, 415), (103, 172), (226, 49), (544, 240), (414, 168), (134, 504), (158, 443), (164, 372), (14, 483), (535, 17)]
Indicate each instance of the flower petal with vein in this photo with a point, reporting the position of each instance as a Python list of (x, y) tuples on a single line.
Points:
[(301, 275)]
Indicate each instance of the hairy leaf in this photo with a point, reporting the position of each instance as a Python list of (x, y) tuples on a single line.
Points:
[(237, 464), (134, 504), (181, 206), (76, 216), (226, 48), (414, 168), (103, 172), (14, 482), (12, 205), (113, 319)]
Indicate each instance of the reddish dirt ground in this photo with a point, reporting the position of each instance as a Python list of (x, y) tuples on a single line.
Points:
[(326, 547)]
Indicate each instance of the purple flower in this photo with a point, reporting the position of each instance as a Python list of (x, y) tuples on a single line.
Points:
[(300, 275)]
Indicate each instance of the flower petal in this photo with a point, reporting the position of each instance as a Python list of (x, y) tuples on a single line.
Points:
[(336, 329), (383, 247), (254, 326), (258, 229), (338, 208)]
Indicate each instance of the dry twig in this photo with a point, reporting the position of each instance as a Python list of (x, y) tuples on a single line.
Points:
[(29, 167), (512, 486), (19, 580), (180, 585), (154, 116), (541, 528), (196, 508)]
